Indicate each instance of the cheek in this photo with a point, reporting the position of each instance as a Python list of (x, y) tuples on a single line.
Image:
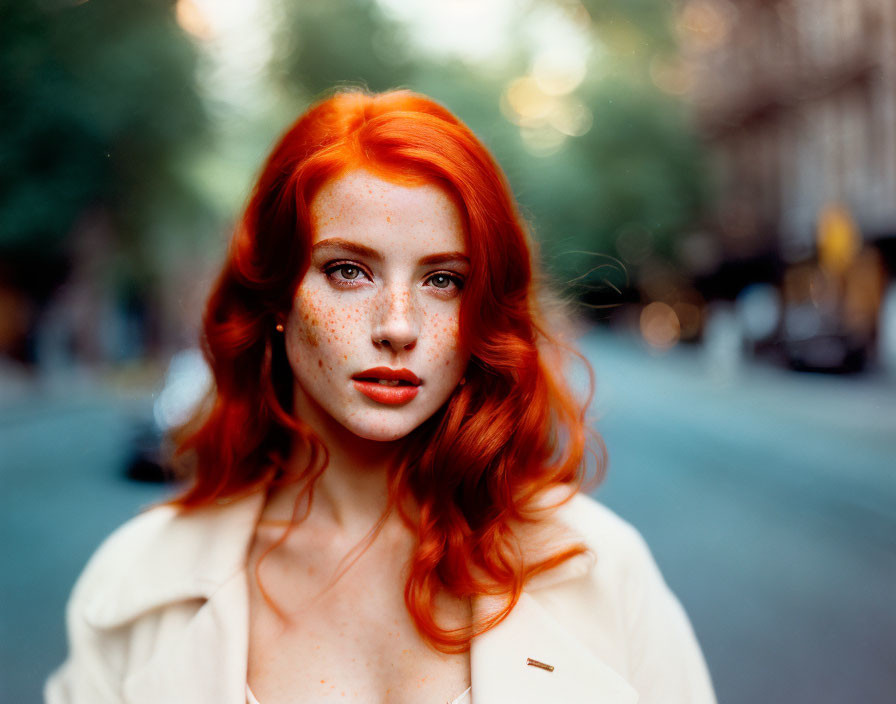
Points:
[(308, 314), (444, 338), (327, 324)]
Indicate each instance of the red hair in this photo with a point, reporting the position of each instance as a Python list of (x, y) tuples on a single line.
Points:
[(483, 460)]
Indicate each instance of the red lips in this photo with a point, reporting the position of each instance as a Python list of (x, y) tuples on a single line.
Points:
[(367, 382)]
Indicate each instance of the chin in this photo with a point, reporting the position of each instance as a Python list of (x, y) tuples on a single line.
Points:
[(385, 436), (386, 425), (380, 432), (343, 418)]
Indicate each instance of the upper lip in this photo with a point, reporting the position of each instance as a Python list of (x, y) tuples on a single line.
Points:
[(389, 375)]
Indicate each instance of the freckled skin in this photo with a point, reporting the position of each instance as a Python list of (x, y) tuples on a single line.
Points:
[(392, 311)]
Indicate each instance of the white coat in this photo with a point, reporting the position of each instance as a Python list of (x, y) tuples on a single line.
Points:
[(160, 614)]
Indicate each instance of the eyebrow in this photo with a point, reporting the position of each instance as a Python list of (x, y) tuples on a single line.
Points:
[(363, 251)]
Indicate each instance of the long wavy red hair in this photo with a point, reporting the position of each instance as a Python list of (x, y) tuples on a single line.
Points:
[(479, 464)]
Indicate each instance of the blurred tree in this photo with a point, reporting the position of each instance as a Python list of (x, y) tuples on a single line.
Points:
[(324, 44), (629, 186), (632, 30), (637, 170), (99, 106), (623, 189)]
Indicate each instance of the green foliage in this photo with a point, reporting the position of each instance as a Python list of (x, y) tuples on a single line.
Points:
[(339, 42), (99, 106), (639, 167), (100, 111)]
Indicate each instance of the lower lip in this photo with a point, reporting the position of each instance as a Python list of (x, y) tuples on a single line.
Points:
[(391, 395)]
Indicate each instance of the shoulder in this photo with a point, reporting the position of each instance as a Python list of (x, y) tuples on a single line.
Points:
[(622, 574), (164, 554), (621, 606), (116, 556), (615, 542), (147, 577), (599, 526), (97, 656), (141, 587), (614, 549), (125, 543)]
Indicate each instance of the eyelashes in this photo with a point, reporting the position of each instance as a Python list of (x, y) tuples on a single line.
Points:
[(349, 274), (445, 280)]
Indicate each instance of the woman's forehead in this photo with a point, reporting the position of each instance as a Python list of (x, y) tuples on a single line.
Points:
[(361, 205)]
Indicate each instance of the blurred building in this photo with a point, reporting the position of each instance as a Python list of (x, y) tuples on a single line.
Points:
[(797, 101)]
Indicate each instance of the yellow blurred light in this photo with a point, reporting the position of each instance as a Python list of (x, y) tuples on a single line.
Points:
[(528, 103), (660, 326), (838, 238), (542, 141), (571, 117), (557, 72), (192, 20)]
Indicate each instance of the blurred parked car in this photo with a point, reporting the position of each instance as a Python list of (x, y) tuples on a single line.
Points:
[(830, 316), (814, 342), (186, 382)]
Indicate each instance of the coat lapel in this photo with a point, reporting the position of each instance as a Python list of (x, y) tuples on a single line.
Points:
[(194, 562), (500, 673), (203, 559), (208, 661)]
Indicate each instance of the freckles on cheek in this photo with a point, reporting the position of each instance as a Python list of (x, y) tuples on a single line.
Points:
[(323, 322), (336, 329), (308, 333), (310, 318), (445, 339), (328, 324)]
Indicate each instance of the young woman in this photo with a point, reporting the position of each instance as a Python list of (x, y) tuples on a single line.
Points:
[(385, 499)]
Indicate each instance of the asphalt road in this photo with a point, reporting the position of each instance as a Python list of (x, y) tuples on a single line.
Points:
[(768, 498)]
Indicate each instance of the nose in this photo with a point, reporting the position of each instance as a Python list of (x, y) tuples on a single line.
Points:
[(396, 322)]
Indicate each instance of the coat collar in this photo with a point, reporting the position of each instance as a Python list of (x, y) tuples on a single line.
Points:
[(204, 558), (500, 669), (180, 556)]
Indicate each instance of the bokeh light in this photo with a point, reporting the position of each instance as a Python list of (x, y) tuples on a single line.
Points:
[(660, 326)]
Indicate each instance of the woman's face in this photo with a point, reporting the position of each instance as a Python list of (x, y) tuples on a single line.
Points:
[(372, 337)]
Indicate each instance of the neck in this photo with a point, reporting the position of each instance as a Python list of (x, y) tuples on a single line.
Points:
[(351, 494)]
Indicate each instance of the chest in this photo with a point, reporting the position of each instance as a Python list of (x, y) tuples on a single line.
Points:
[(353, 640)]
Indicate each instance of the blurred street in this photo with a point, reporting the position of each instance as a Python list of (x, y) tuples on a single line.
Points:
[(716, 179), (62, 458), (768, 498)]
